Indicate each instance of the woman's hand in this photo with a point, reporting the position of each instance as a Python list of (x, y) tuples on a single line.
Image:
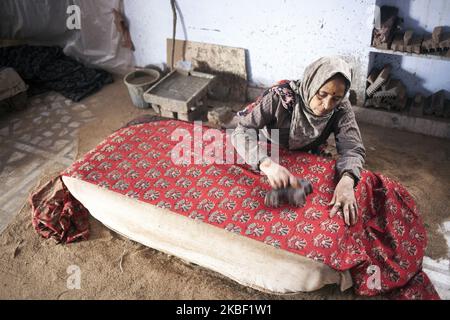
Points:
[(279, 177), (344, 199)]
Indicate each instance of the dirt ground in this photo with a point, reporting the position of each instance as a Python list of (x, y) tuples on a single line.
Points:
[(422, 165), (113, 267)]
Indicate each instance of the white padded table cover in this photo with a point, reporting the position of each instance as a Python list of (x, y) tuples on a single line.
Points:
[(247, 261)]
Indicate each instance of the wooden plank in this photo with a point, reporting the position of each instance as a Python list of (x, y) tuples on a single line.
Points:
[(227, 63)]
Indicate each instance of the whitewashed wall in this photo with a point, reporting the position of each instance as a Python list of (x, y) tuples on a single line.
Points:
[(282, 37), (421, 15)]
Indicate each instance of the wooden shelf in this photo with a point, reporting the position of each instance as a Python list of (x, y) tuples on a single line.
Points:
[(407, 54)]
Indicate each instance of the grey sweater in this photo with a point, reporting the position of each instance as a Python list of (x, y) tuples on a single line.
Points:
[(270, 114)]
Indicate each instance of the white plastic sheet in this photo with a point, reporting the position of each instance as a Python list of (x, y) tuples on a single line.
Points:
[(97, 42)]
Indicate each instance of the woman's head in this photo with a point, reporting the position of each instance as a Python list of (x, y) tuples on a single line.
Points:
[(324, 85), (330, 95)]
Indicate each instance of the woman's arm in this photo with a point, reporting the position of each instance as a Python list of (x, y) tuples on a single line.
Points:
[(349, 145), (245, 137), (349, 165), (245, 141)]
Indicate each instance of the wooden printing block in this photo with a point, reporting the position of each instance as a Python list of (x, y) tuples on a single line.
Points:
[(401, 99), (373, 75), (382, 37), (401, 102), (438, 103), (292, 196), (437, 35), (386, 103), (447, 109), (388, 93), (371, 102), (417, 105), (415, 45), (398, 43), (392, 96), (385, 46), (407, 37), (381, 79), (386, 86), (407, 40), (427, 107), (398, 103), (431, 43), (444, 44), (388, 90), (427, 44), (378, 103)]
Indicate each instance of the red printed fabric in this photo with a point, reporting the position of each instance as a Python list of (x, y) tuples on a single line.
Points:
[(387, 243), (57, 214)]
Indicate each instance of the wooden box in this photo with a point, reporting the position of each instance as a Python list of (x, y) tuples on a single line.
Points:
[(179, 92)]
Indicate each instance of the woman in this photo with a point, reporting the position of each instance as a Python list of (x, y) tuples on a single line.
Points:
[(306, 112)]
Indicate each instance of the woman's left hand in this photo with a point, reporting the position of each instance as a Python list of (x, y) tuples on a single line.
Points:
[(344, 200)]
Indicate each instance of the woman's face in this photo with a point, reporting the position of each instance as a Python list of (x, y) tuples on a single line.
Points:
[(328, 97)]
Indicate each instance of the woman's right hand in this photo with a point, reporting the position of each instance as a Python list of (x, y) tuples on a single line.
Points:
[(279, 177)]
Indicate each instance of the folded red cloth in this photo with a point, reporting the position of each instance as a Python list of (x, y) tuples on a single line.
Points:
[(57, 214), (384, 250)]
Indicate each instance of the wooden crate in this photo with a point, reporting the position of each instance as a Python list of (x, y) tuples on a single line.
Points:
[(179, 92)]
